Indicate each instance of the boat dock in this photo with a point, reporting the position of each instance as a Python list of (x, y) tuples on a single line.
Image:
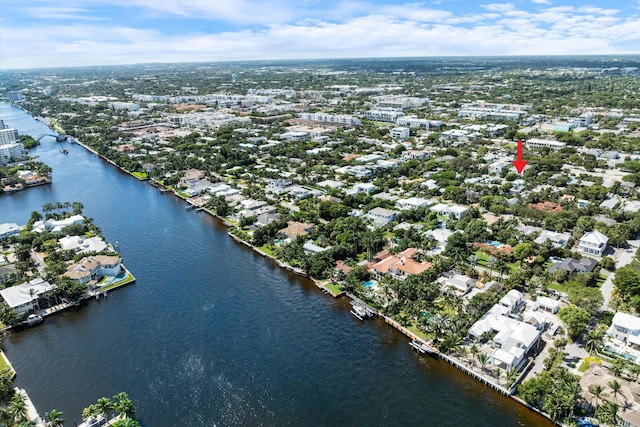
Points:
[(423, 347)]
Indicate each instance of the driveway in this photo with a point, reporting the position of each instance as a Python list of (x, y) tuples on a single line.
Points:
[(621, 257)]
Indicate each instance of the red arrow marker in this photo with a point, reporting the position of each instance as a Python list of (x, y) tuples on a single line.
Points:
[(519, 163)]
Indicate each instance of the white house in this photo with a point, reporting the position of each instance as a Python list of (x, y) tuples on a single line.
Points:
[(513, 338), (458, 282), (54, 225), (8, 229), (23, 298), (548, 304), (625, 327), (82, 244), (593, 243), (558, 240), (381, 216), (400, 133), (511, 300), (412, 203)]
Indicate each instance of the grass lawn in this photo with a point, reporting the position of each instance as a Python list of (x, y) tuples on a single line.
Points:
[(140, 175), (334, 288), (268, 249), (413, 328), (558, 287), (3, 364), (482, 262), (183, 195)]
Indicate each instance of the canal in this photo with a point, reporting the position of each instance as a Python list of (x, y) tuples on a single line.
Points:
[(213, 334)]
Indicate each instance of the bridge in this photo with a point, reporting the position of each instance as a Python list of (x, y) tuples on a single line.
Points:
[(58, 137)]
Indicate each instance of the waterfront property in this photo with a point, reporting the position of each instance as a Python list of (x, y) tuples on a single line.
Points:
[(24, 298)]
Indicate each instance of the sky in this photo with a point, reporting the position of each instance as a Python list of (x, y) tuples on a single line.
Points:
[(55, 33)]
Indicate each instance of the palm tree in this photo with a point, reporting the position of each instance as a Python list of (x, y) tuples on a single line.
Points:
[(491, 262), (618, 366), (18, 409), (483, 359), (105, 405), (91, 411), (594, 340), (596, 390), (512, 375), (55, 419), (609, 413), (616, 388), (124, 405), (474, 350)]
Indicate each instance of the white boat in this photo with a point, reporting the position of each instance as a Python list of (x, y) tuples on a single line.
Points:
[(360, 312), (33, 319)]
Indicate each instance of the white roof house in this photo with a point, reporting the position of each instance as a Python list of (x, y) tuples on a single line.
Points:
[(54, 225), (81, 244), (593, 243), (513, 337), (381, 216), (458, 282), (548, 304), (557, 239), (8, 229), (625, 327), (412, 203), (20, 299), (511, 299)]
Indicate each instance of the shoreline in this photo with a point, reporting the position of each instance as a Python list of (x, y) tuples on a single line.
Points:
[(389, 321)]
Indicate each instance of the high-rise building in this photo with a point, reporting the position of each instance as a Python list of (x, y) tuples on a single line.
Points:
[(8, 136), (14, 96), (12, 152)]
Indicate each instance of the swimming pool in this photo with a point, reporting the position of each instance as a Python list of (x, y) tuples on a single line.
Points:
[(494, 244), (370, 284)]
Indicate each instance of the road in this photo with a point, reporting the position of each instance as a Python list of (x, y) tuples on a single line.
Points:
[(621, 257)]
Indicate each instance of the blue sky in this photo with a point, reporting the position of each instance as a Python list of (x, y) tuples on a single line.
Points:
[(48, 33)]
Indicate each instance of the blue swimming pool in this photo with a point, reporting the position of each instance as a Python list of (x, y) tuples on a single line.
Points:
[(369, 284)]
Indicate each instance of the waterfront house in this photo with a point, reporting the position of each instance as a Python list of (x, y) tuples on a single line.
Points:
[(93, 268), (295, 229), (24, 297), (628, 398), (513, 339), (191, 175), (8, 229), (593, 243), (82, 244), (399, 266), (56, 225)]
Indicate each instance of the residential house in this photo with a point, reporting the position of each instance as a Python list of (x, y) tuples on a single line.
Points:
[(458, 282), (56, 225), (82, 244), (572, 265), (548, 304), (626, 328), (311, 249), (558, 240), (381, 216), (94, 267), (399, 266), (593, 243), (511, 300), (412, 203), (8, 229), (24, 297), (191, 175), (7, 272), (295, 229), (513, 339)]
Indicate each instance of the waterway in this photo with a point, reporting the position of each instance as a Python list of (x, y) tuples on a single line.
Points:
[(213, 334)]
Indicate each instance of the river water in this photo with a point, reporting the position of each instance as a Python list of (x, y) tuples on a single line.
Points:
[(213, 334)]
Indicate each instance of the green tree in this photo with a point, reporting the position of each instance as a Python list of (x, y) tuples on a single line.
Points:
[(575, 319), (54, 419), (124, 406), (523, 250), (590, 299)]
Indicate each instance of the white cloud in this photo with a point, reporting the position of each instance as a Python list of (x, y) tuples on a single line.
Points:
[(348, 30), (541, 1)]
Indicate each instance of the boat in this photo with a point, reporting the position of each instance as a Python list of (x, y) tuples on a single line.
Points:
[(33, 319), (360, 312), (422, 347)]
